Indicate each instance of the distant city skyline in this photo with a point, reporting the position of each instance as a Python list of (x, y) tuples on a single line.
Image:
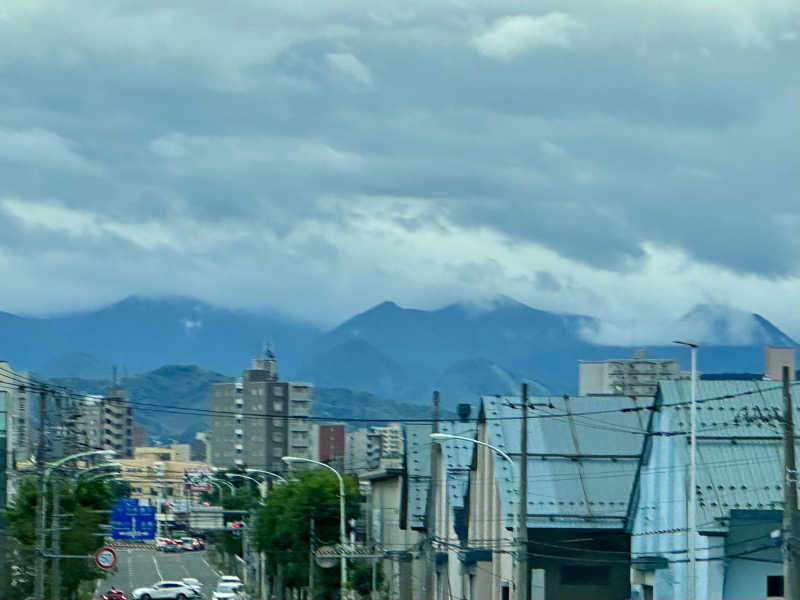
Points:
[(622, 161)]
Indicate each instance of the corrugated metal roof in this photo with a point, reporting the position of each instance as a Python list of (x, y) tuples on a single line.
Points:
[(418, 469), (581, 468), (457, 456), (739, 445)]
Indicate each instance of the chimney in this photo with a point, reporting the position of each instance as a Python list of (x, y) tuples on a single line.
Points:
[(463, 412)]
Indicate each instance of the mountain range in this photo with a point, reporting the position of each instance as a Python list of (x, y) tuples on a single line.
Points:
[(172, 401), (392, 352)]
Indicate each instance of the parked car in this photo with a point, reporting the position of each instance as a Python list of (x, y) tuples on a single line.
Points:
[(198, 544), (229, 579), (186, 544), (172, 546), (161, 543), (113, 594), (165, 590)]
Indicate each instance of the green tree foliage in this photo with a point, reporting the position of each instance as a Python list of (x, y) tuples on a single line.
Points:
[(282, 527), (80, 500)]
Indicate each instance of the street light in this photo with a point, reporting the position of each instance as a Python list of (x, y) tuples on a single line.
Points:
[(253, 479), (691, 524), (275, 475), (42, 510), (228, 483), (342, 530), (441, 437), (83, 472), (100, 476)]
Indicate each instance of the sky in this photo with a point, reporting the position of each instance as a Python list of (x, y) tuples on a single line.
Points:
[(627, 160)]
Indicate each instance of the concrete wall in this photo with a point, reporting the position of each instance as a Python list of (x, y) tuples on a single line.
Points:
[(747, 579), (403, 577)]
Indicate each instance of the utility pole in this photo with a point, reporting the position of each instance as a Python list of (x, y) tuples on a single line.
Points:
[(522, 527), (791, 525), (41, 508), (430, 514), (55, 522), (311, 582)]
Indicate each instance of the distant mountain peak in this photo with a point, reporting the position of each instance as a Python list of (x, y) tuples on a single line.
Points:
[(725, 325)]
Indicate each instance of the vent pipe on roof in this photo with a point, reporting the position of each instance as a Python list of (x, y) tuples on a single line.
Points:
[(463, 412)]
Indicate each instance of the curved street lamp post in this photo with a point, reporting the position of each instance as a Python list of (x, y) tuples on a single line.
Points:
[(342, 529), (41, 521), (442, 437)]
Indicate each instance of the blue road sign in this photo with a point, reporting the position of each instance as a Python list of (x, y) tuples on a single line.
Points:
[(129, 521)]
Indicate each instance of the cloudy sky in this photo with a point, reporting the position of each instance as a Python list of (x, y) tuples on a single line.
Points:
[(622, 159)]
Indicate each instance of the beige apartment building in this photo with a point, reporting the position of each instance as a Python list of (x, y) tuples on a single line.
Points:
[(637, 376)]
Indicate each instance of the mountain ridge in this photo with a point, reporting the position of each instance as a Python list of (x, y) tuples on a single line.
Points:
[(403, 352)]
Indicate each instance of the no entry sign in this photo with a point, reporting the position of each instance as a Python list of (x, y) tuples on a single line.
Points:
[(105, 558)]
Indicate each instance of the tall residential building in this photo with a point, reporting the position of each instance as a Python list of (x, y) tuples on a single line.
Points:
[(260, 418), (90, 421), (15, 389), (106, 423), (637, 376), (117, 423)]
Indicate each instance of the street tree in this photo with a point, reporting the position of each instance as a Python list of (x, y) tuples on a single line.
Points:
[(282, 528)]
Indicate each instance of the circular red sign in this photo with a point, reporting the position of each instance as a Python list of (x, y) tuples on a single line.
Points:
[(105, 558)]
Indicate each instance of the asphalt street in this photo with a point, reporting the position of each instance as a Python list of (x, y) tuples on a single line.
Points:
[(144, 567)]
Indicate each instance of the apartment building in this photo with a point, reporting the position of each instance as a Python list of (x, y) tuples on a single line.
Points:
[(15, 390), (117, 423), (259, 419), (637, 376), (390, 438), (89, 423), (106, 423), (330, 442), (369, 449)]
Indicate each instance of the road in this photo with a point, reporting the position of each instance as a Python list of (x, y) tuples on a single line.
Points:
[(140, 567)]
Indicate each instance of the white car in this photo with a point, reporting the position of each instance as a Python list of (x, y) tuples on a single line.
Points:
[(195, 584), (228, 591), (165, 590), (229, 579)]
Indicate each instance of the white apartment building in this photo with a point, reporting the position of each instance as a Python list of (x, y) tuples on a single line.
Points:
[(391, 439)]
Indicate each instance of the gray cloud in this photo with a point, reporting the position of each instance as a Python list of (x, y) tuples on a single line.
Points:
[(602, 135)]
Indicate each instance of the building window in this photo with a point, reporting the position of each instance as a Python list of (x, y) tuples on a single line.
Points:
[(584, 575), (277, 391), (775, 586), (277, 405)]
